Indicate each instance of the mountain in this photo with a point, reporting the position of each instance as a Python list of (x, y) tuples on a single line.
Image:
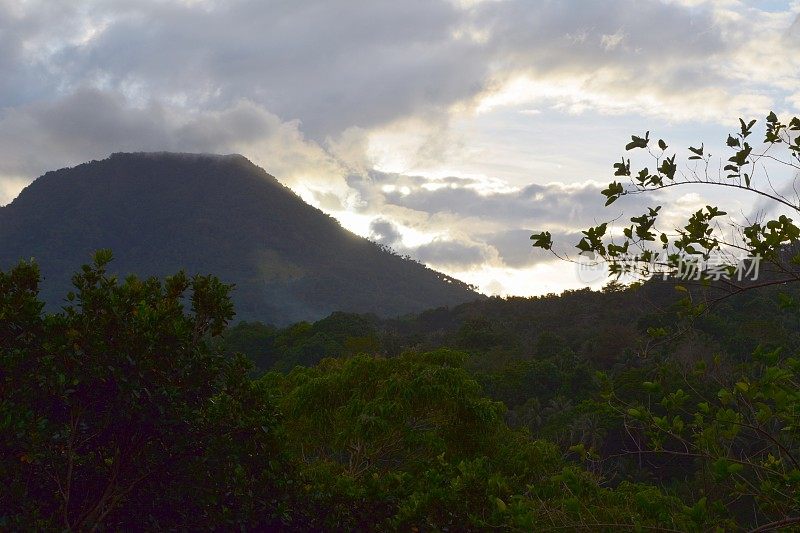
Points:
[(161, 212)]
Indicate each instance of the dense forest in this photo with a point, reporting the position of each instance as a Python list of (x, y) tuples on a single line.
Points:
[(143, 404)]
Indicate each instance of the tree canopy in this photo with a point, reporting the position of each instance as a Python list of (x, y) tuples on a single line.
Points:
[(124, 411), (117, 413)]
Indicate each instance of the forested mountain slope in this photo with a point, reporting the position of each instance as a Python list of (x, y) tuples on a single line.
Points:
[(163, 212)]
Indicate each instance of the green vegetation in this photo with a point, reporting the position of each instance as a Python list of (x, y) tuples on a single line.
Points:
[(116, 413), (124, 411)]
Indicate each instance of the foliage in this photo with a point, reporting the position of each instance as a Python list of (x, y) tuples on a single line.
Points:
[(116, 413), (734, 423), (744, 435), (340, 334), (643, 249), (127, 410), (410, 443)]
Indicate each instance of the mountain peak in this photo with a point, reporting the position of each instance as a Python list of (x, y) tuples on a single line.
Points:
[(220, 214), (178, 156)]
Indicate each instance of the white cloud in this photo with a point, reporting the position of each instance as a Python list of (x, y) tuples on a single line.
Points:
[(90, 124), (10, 189)]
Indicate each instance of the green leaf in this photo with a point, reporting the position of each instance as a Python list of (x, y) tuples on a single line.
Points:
[(649, 386), (501, 505), (638, 142), (623, 168), (542, 240), (635, 413), (697, 151), (735, 468), (613, 192)]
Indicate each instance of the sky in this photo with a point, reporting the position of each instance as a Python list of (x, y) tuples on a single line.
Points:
[(448, 130)]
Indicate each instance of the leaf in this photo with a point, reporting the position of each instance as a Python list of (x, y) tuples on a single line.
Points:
[(668, 167), (638, 142), (501, 505), (735, 468), (578, 449), (542, 240), (697, 151), (613, 192), (623, 168), (649, 386), (720, 468)]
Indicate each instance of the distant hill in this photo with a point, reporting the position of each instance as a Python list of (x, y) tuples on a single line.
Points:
[(606, 330), (222, 215)]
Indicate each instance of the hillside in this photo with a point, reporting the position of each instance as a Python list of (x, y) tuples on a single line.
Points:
[(212, 214), (605, 330)]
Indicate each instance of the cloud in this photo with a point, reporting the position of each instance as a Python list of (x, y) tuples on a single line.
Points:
[(708, 61), (10, 189), (515, 250), (331, 65), (453, 254), (386, 61), (553, 205), (384, 232), (383, 62), (454, 224), (90, 124)]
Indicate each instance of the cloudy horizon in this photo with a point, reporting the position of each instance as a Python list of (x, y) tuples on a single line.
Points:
[(449, 130)]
